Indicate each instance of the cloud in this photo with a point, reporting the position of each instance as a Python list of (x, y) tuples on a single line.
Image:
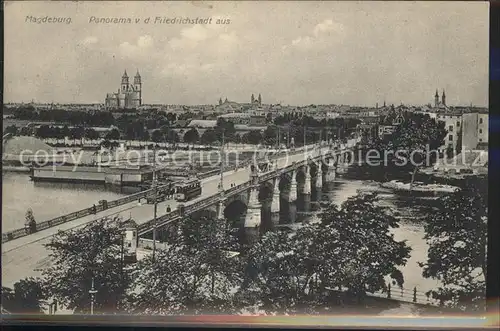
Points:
[(195, 36), (199, 49), (90, 40), (327, 26), (320, 35), (143, 44), (145, 41)]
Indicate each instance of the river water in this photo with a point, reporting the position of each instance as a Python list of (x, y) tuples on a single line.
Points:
[(48, 200), (410, 230)]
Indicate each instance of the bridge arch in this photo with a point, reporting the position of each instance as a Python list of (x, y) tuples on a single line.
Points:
[(314, 169), (285, 180), (235, 212), (266, 190)]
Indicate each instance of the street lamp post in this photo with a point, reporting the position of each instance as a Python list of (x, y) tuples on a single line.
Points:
[(155, 191), (92, 292), (221, 185)]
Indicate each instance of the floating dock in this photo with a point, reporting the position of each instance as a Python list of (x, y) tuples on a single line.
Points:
[(93, 175)]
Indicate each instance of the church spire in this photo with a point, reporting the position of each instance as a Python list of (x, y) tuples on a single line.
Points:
[(137, 78), (125, 74)]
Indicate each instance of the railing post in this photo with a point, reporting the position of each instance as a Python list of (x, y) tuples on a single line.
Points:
[(415, 294), (389, 291)]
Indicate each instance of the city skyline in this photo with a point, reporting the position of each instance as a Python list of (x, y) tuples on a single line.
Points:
[(297, 54)]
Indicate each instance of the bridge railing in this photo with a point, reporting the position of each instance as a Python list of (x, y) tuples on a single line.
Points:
[(14, 234), (192, 208), (406, 295), (17, 233), (201, 204)]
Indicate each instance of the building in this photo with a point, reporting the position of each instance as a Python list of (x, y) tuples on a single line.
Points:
[(474, 130), (466, 124), (227, 106), (128, 95), (257, 101), (442, 103)]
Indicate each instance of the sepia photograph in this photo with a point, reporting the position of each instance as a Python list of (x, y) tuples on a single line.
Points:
[(281, 158)]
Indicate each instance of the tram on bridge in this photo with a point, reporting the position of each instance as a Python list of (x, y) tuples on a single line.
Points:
[(188, 189)]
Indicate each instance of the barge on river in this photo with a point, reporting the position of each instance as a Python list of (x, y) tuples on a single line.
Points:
[(116, 176), (419, 189)]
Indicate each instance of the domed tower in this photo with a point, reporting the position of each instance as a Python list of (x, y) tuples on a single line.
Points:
[(124, 82), (138, 89), (436, 99)]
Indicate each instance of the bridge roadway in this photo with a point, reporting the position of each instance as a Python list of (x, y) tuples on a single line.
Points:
[(24, 257)]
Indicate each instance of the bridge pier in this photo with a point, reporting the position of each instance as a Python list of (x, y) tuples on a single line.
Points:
[(331, 173), (319, 177), (275, 204), (220, 210), (254, 214), (292, 198), (306, 189)]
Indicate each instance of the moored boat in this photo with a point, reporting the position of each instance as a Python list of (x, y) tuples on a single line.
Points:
[(418, 189)]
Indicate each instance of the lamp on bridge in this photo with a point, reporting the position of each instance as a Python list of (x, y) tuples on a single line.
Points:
[(221, 184)]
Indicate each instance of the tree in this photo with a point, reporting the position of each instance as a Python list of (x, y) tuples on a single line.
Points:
[(253, 137), (76, 133), (157, 136), (359, 251), (91, 134), (413, 144), (172, 136), (114, 134), (209, 137), (281, 274), (457, 235), (270, 135), (417, 134), (43, 131), (191, 136), (12, 129), (351, 250), (27, 297), (80, 255), (192, 276), (226, 127), (171, 117)]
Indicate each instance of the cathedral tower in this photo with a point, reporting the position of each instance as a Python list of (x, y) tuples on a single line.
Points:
[(125, 82), (138, 89), (436, 99), (443, 99), (260, 100)]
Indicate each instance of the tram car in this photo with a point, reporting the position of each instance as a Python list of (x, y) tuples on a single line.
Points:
[(187, 189)]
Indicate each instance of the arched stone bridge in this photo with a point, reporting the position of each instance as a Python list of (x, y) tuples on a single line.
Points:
[(275, 185)]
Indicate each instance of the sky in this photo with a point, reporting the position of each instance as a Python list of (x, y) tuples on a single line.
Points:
[(293, 53)]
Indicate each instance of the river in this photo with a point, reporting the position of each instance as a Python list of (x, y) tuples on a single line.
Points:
[(411, 231), (47, 200)]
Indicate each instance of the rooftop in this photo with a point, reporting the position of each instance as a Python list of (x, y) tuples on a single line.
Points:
[(202, 123)]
